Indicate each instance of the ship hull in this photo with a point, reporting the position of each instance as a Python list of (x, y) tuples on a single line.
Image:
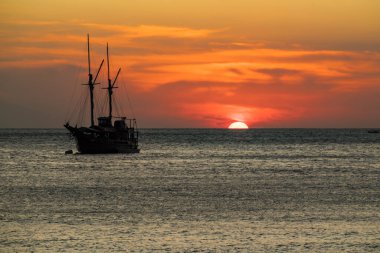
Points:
[(91, 141), (103, 147)]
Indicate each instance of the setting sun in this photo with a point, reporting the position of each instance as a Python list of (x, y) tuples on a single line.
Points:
[(238, 125)]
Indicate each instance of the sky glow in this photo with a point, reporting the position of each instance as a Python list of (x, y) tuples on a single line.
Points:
[(196, 63)]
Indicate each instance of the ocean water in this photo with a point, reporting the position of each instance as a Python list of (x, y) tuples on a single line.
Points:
[(274, 190)]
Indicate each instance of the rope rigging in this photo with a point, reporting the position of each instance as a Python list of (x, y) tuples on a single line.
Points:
[(120, 100), (124, 87)]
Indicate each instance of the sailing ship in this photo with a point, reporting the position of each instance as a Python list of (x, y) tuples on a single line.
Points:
[(111, 134)]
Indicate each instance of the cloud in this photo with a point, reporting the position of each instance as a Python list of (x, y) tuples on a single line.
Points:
[(277, 72), (312, 101), (187, 77), (236, 71), (142, 31), (29, 22), (32, 40)]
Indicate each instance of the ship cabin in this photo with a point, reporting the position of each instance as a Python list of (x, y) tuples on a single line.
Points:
[(120, 124), (104, 122), (107, 122)]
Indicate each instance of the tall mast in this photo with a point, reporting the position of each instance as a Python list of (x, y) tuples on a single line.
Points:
[(90, 82), (109, 87)]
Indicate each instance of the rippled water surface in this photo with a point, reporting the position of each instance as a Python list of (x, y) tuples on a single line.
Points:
[(193, 190)]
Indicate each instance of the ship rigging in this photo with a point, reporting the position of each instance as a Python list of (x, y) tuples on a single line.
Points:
[(111, 134)]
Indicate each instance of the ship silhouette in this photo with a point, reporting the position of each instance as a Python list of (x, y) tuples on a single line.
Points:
[(111, 134)]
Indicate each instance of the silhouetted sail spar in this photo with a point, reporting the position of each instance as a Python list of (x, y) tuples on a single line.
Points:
[(111, 134)]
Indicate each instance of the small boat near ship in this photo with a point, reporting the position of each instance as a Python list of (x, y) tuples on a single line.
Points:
[(111, 134)]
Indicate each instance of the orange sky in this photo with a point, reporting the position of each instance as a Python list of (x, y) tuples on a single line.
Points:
[(198, 63)]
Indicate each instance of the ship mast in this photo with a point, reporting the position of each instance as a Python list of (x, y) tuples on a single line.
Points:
[(91, 82), (111, 86)]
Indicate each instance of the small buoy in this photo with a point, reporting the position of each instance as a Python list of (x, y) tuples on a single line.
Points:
[(68, 152)]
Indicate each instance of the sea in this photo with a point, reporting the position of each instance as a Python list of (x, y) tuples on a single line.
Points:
[(193, 190)]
